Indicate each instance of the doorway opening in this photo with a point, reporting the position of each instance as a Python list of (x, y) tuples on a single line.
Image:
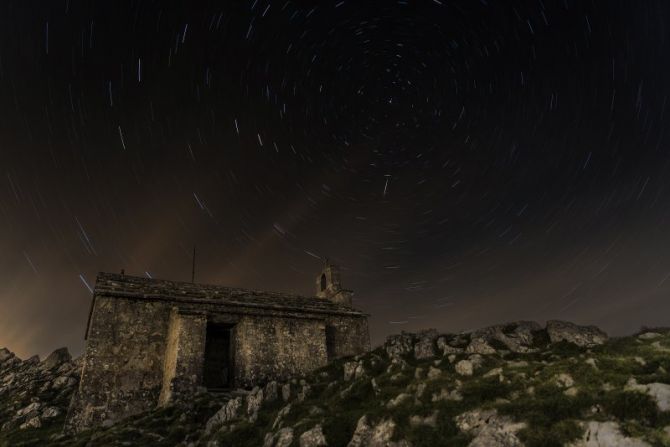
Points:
[(218, 368)]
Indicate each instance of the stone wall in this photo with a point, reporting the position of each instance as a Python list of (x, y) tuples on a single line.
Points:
[(347, 336), (277, 348), (123, 364), (185, 350)]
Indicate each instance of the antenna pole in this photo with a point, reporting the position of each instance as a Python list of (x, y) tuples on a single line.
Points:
[(193, 267)]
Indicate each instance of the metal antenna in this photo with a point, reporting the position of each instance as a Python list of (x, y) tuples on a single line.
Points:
[(193, 268)]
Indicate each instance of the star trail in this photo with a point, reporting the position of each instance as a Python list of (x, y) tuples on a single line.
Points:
[(465, 162)]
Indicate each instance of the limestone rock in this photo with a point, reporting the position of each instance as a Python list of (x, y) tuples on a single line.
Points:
[(434, 373), (606, 434), (5, 354), (286, 392), (283, 438), (64, 382), (479, 346), (425, 348), (304, 392), (56, 358), (50, 412), (254, 402), (313, 438), (564, 380), (227, 413), (280, 415), (583, 336), (445, 348), (34, 422), (270, 392), (379, 435), (398, 345), (420, 389), (464, 368), (428, 421), (660, 392), (399, 399), (489, 429), (349, 370), (446, 395), (649, 335), (33, 407), (516, 336)]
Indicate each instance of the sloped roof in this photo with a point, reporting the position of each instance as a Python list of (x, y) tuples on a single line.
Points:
[(126, 286)]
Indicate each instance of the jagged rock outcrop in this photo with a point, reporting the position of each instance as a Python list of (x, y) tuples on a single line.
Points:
[(582, 336), (35, 393)]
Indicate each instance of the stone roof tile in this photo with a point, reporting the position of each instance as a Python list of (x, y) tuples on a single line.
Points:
[(111, 284)]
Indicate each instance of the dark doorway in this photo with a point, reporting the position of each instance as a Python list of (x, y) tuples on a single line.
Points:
[(218, 368)]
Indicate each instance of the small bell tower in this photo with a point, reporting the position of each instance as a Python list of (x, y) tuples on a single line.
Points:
[(328, 285)]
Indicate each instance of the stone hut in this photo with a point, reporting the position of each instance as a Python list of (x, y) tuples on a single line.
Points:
[(148, 340)]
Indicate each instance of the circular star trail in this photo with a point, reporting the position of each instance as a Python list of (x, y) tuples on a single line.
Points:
[(466, 163)]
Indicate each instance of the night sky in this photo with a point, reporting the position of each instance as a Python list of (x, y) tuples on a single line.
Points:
[(465, 162)]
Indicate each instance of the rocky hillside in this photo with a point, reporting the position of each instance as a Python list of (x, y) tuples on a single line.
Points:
[(517, 384), (34, 394)]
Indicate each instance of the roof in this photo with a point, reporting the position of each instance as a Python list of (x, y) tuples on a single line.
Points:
[(126, 286)]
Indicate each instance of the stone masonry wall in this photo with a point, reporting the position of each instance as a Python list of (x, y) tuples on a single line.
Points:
[(347, 336), (277, 348), (123, 365), (184, 354)]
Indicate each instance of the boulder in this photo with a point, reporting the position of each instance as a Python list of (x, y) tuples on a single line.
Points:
[(582, 336), (313, 438), (464, 368), (606, 434), (660, 392)]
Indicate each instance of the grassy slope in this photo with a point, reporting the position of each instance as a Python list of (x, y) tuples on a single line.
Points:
[(551, 414)]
